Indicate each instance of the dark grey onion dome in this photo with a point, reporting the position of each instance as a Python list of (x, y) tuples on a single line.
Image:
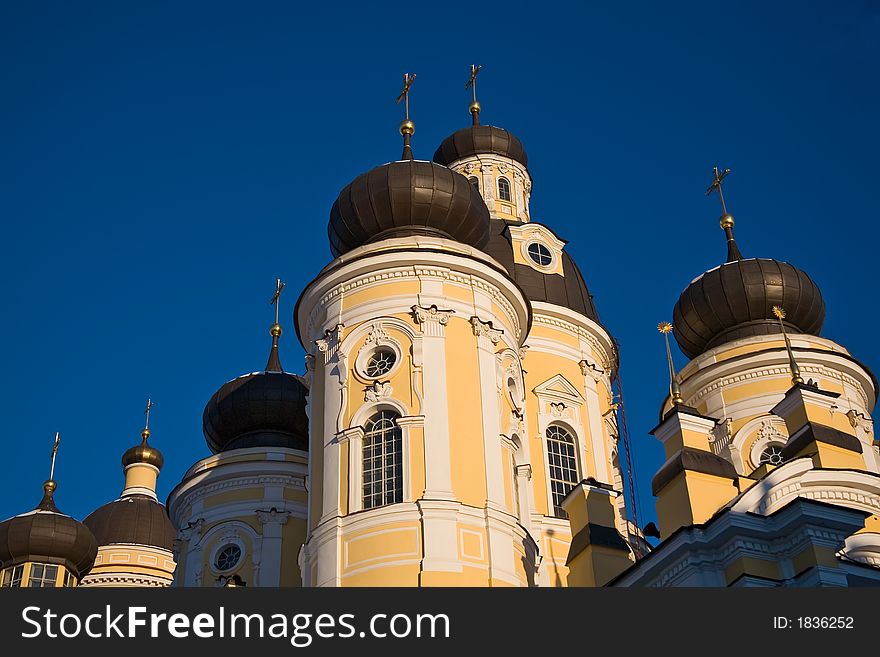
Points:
[(569, 291), (478, 139), (405, 198), (134, 519), (736, 299), (45, 535), (263, 409)]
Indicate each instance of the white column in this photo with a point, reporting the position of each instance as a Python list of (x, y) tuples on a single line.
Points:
[(438, 468), (592, 375), (270, 558), (440, 544), (334, 380), (355, 438), (487, 338)]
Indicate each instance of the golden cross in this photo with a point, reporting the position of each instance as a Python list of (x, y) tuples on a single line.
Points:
[(404, 95), (279, 285), (718, 176), (147, 413), (54, 454), (472, 83)]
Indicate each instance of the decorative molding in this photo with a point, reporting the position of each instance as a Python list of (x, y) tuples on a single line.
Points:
[(431, 319), (524, 470), (720, 435), (859, 420), (558, 409), (590, 368), (558, 388), (239, 482), (377, 391), (272, 516), (420, 271), (329, 344), (577, 330), (523, 350), (781, 370), (485, 329)]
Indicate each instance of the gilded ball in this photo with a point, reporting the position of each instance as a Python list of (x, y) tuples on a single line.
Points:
[(727, 221), (407, 127), (50, 486), (275, 330), (475, 107)]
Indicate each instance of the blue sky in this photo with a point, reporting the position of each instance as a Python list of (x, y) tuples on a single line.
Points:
[(162, 163)]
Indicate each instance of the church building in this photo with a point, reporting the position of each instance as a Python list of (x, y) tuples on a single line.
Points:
[(456, 421)]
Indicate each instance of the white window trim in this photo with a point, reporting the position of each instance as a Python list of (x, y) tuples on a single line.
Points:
[(355, 437), (578, 455)]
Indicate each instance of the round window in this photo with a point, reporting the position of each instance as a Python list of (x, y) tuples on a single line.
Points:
[(227, 557), (539, 254), (772, 454), (380, 362)]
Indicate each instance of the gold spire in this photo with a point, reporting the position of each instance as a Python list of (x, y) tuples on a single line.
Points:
[(274, 362), (472, 85), (795, 370), (146, 432), (407, 127), (733, 252), (674, 391)]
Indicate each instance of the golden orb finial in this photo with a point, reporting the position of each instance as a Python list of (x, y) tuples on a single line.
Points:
[(50, 486), (726, 221), (407, 127)]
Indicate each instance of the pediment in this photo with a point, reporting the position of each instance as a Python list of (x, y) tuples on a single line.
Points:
[(559, 388)]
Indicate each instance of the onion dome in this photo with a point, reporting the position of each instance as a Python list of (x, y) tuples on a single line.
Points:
[(132, 519), (735, 300), (569, 291), (407, 197), (45, 535), (477, 140), (261, 409), (143, 453)]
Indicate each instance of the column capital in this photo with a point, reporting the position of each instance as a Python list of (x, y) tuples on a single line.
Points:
[(272, 516), (486, 330), (431, 319)]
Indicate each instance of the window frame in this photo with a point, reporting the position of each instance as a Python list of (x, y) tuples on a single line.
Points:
[(370, 435), (555, 508), (509, 191), (43, 580)]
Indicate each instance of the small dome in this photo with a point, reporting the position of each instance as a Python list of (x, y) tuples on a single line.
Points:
[(263, 409), (478, 139), (404, 198), (136, 519), (143, 453), (735, 300), (45, 535)]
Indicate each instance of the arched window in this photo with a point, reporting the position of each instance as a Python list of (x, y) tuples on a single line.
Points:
[(473, 180), (383, 460), (563, 466), (504, 189), (772, 454)]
